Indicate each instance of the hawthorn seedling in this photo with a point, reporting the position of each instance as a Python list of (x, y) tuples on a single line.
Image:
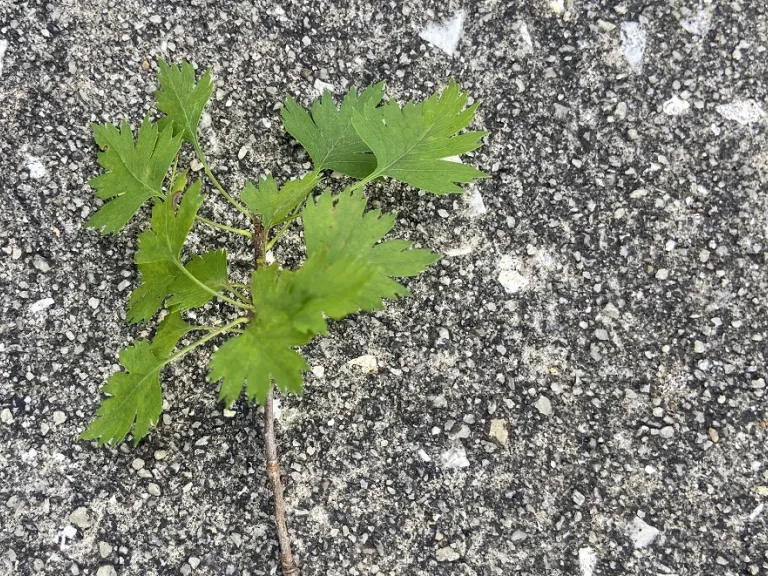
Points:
[(347, 269)]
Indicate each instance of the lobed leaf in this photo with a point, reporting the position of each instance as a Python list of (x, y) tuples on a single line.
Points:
[(181, 99), (328, 134), (412, 143), (274, 206), (134, 170), (158, 260), (340, 227)]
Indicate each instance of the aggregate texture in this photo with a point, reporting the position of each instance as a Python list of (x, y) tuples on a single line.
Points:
[(578, 387)]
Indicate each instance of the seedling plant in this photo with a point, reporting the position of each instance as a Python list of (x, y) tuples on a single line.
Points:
[(348, 267)]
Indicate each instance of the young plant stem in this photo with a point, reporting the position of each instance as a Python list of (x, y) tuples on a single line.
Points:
[(287, 564), (213, 224), (273, 473)]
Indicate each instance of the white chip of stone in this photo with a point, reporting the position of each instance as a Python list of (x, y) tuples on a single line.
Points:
[(633, 43), (474, 201), (155, 19), (662, 274), (242, 152), (123, 285), (543, 405), (367, 362), (41, 305), (6, 416), (318, 371), (602, 334), (81, 518), (63, 537), (454, 458), (499, 432), (557, 6), (756, 512), (59, 417), (587, 561), (698, 347), (35, 167), (105, 549), (699, 23), (445, 35), (640, 533), (509, 276), (321, 86), (744, 112), (153, 489), (106, 570), (525, 36), (3, 48), (228, 413), (675, 106), (93, 303), (447, 554), (667, 432)]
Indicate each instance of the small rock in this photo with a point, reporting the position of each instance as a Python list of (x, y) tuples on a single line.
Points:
[(242, 152), (155, 19), (318, 371), (499, 432), (228, 413), (41, 264), (667, 432), (81, 518), (105, 549), (578, 498), (123, 285), (662, 274), (447, 554), (196, 165), (137, 464), (106, 570), (367, 362), (93, 303), (161, 454), (714, 435), (602, 334), (519, 536), (454, 458), (439, 401), (6, 417), (698, 347), (640, 533), (544, 406), (675, 106), (153, 489), (59, 417), (41, 305)]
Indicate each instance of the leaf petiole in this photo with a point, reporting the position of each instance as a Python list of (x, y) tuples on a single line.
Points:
[(213, 224), (212, 334), (215, 181), (210, 290)]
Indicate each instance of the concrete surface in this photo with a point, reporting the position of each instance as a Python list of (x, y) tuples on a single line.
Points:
[(577, 389)]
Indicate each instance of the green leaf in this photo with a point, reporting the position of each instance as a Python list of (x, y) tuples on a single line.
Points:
[(134, 170), (264, 352), (210, 269), (339, 228), (180, 99), (172, 329), (411, 143), (135, 398), (328, 134), (274, 206), (159, 253)]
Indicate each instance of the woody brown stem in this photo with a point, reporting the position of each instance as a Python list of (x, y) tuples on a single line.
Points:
[(273, 464), (273, 473)]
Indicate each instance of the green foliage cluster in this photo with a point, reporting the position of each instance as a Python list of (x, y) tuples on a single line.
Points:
[(348, 267)]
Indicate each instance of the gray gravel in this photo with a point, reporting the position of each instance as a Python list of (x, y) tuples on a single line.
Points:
[(614, 265)]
